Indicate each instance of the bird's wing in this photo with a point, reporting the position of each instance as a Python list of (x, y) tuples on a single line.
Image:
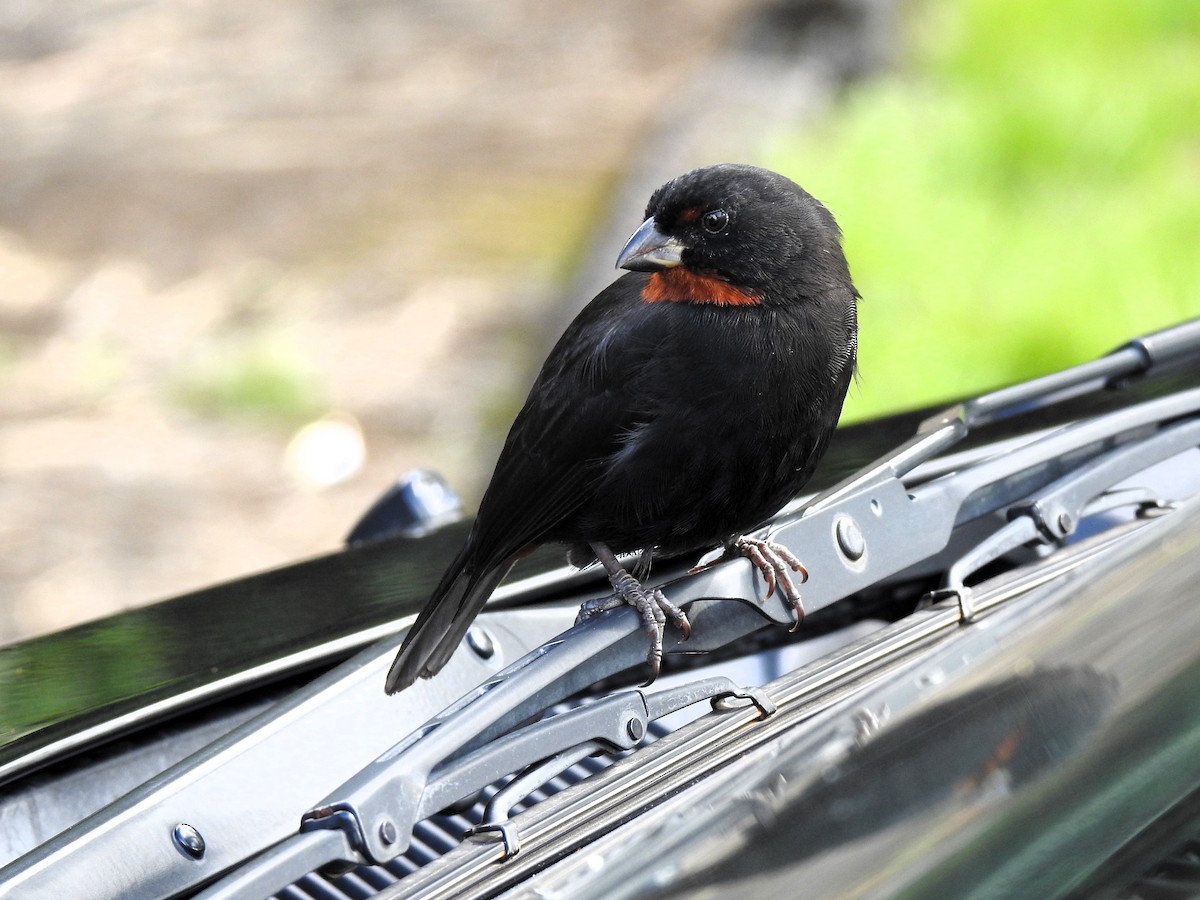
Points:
[(581, 409), (578, 413)]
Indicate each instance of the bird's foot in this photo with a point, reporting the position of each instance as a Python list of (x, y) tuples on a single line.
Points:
[(652, 606), (774, 561)]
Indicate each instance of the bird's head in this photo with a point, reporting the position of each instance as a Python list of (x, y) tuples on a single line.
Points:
[(733, 235)]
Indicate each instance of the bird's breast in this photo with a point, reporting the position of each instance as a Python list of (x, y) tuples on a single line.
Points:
[(680, 285)]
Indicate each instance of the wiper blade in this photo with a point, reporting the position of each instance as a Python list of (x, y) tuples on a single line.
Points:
[(374, 812)]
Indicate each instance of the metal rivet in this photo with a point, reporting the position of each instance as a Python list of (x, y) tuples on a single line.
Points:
[(479, 640), (387, 831), (189, 840), (850, 538), (635, 729), (1065, 523)]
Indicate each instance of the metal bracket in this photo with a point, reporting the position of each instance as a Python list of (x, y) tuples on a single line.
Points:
[(496, 814), (510, 836)]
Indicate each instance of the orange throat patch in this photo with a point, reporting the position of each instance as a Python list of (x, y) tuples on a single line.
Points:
[(679, 285)]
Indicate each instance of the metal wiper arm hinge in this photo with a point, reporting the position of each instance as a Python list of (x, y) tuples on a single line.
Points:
[(1054, 512)]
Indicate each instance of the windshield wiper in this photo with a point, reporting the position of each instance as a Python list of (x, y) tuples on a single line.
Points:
[(866, 529), (894, 517)]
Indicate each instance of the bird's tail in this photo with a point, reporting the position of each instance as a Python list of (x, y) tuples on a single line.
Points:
[(444, 621)]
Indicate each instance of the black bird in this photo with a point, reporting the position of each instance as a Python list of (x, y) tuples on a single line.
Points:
[(687, 403)]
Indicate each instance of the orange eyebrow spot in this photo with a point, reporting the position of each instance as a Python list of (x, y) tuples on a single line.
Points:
[(689, 215), (679, 285)]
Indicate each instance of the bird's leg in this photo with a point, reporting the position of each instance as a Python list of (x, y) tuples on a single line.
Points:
[(653, 607), (774, 561)]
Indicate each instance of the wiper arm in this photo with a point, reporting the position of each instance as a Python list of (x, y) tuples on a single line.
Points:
[(942, 430)]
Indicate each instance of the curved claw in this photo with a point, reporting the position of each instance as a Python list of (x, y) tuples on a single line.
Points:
[(798, 611), (673, 612), (766, 561), (654, 661), (652, 606), (775, 561)]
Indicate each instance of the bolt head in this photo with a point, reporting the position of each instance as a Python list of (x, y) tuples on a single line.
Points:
[(387, 831), (850, 538), (189, 840), (481, 643), (635, 729)]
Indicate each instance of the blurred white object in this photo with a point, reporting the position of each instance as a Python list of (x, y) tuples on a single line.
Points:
[(326, 452)]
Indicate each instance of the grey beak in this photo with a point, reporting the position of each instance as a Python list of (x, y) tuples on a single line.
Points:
[(649, 250)]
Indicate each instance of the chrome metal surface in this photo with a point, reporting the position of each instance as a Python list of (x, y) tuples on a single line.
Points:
[(1017, 755), (850, 539), (390, 798), (479, 639), (946, 427), (227, 638), (810, 760), (247, 790), (709, 751)]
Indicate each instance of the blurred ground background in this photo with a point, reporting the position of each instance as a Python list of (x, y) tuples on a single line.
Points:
[(222, 222)]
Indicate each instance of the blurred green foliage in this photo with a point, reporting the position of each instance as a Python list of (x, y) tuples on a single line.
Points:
[(255, 379), (1021, 195)]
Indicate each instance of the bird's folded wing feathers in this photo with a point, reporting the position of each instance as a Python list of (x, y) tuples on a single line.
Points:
[(579, 414)]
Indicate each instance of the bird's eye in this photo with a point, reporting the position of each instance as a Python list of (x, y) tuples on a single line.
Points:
[(715, 220)]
